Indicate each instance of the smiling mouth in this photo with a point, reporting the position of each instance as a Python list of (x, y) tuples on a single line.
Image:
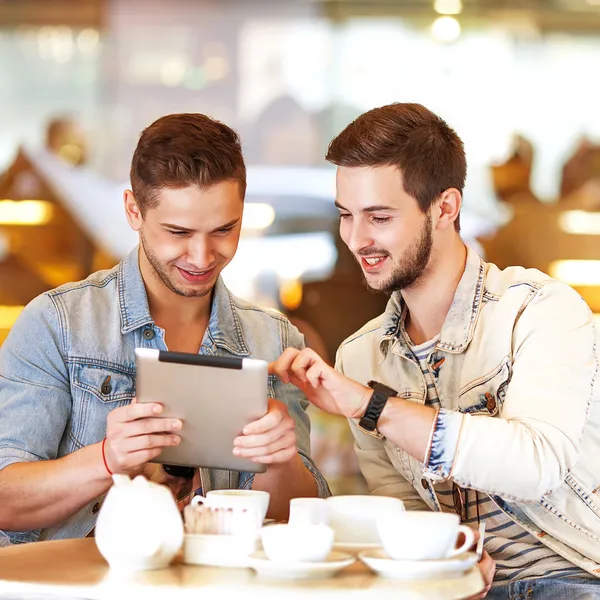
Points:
[(375, 260), (197, 276), (196, 273)]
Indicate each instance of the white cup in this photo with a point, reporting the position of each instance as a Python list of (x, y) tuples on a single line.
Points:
[(309, 511), (218, 550), (423, 535), (354, 518), (251, 500), (297, 543)]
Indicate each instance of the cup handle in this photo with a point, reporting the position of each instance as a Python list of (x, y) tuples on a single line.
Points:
[(468, 543), (197, 500)]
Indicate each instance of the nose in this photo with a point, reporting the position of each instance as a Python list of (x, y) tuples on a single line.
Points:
[(355, 236), (200, 253)]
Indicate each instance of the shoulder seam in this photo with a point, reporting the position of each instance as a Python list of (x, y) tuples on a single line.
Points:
[(81, 285), (362, 332), (265, 311)]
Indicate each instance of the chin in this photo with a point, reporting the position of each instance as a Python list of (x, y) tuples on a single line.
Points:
[(375, 281), (196, 292)]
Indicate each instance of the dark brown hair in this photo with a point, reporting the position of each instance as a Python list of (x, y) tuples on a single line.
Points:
[(422, 146), (183, 150)]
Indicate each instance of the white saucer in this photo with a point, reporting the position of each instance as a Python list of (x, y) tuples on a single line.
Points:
[(447, 568), (336, 561), (355, 548)]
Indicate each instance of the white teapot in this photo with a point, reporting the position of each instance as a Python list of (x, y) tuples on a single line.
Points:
[(139, 526)]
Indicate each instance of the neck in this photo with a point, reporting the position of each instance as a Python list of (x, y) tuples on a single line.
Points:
[(429, 300), (168, 307)]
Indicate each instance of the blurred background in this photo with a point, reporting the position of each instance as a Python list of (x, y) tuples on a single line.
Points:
[(80, 79)]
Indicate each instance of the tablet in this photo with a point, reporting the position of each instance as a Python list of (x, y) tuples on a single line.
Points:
[(216, 397)]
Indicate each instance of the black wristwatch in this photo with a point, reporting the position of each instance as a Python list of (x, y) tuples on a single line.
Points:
[(178, 471), (381, 393)]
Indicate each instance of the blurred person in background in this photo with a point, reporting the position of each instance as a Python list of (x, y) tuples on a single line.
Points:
[(67, 368), (283, 133), (512, 178), (475, 392), (581, 167)]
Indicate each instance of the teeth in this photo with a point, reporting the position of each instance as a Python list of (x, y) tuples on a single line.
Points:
[(373, 261)]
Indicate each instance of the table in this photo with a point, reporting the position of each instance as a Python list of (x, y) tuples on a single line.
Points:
[(75, 569)]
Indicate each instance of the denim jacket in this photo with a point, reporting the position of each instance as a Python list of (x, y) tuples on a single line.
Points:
[(515, 369), (67, 341)]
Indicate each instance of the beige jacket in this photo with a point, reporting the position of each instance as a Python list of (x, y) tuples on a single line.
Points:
[(515, 369)]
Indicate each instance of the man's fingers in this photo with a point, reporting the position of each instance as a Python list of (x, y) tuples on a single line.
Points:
[(151, 425), (282, 456), (147, 442), (269, 421), (303, 362), (134, 411), (135, 459), (294, 362), (487, 565), (487, 568), (254, 441), (288, 440), (281, 366), (315, 373), (126, 453)]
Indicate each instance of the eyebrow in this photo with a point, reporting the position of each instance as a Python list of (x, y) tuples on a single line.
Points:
[(370, 209), (188, 230)]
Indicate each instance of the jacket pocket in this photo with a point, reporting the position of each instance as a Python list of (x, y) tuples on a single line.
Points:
[(105, 384), (96, 390), (485, 395), (591, 497)]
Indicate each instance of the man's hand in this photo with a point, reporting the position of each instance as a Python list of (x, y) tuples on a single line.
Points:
[(271, 439), (136, 435), (487, 567), (324, 387)]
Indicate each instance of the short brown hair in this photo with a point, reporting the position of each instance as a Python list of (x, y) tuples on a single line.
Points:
[(182, 150), (428, 152)]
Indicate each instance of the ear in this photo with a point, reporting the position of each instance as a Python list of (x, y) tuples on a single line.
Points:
[(447, 208), (132, 211)]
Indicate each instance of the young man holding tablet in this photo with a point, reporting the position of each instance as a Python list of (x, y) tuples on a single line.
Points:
[(67, 368)]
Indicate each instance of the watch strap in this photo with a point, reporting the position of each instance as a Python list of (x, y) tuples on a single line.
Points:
[(377, 402)]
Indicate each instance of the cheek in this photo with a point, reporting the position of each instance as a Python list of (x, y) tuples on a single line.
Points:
[(226, 247), (394, 240), (167, 247), (345, 227)]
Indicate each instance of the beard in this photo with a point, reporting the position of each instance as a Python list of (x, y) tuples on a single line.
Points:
[(161, 272), (407, 272)]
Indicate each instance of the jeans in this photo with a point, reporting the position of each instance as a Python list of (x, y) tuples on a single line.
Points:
[(547, 589)]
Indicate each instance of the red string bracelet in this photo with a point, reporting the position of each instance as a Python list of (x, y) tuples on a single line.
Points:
[(104, 457)]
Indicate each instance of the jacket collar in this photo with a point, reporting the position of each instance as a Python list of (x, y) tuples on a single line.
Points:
[(459, 326), (224, 327), (133, 300)]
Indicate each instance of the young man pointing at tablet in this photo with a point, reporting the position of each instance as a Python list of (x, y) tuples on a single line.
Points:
[(67, 369), (476, 392)]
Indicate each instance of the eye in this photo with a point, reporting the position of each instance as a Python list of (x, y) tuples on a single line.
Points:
[(345, 216), (224, 231), (178, 233), (380, 219)]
